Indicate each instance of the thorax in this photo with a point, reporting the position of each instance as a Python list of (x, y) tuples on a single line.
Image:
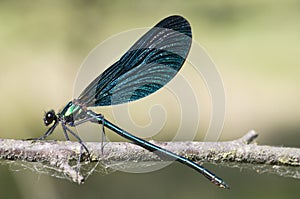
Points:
[(71, 112)]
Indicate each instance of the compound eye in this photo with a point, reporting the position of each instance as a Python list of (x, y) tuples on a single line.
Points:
[(49, 117)]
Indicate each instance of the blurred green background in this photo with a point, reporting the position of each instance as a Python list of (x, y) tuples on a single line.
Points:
[(254, 43)]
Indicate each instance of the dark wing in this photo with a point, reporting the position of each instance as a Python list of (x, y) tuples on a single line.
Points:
[(146, 67)]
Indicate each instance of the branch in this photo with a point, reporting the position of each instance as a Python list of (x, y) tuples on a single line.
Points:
[(62, 157)]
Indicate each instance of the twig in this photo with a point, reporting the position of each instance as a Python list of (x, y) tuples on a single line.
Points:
[(61, 154)]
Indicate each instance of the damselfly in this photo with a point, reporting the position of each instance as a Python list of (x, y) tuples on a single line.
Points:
[(145, 68)]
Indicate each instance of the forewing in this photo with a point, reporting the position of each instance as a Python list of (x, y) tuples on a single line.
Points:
[(146, 67)]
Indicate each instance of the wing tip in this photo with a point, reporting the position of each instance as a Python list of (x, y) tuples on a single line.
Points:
[(176, 23)]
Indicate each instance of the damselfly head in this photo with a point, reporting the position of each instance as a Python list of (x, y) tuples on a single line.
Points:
[(49, 117)]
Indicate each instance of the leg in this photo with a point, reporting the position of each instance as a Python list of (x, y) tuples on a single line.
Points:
[(77, 137), (103, 137), (48, 132), (65, 132), (95, 118), (65, 129)]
